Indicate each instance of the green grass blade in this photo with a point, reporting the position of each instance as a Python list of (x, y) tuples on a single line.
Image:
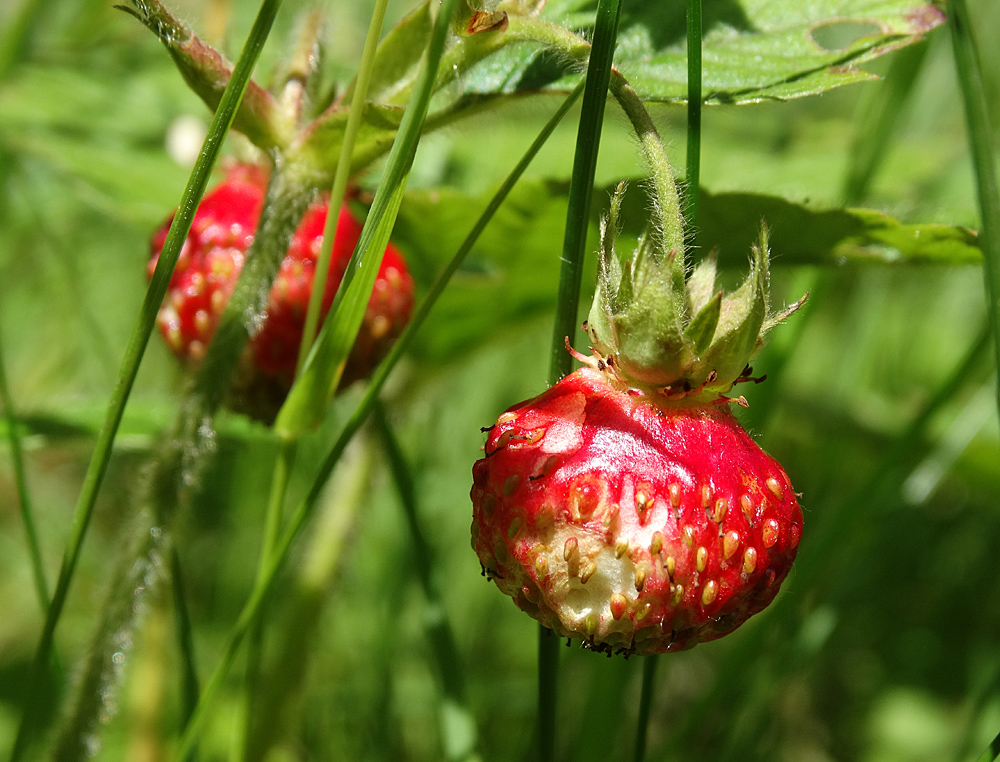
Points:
[(323, 368), (458, 728), (595, 96), (992, 753), (136, 348), (340, 178), (694, 100), (185, 639), (649, 664), (588, 140), (977, 116), (302, 513), (23, 496)]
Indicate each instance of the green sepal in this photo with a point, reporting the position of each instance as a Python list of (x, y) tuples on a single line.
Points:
[(701, 329), (661, 331)]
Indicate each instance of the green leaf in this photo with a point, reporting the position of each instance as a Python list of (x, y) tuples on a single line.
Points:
[(730, 222), (397, 59), (753, 49)]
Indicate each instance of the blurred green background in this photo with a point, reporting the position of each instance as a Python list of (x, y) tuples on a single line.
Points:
[(884, 645)]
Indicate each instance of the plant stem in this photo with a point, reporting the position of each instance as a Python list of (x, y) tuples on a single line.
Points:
[(970, 75), (340, 179), (23, 496), (133, 355), (303, 511), (694, 101), (645, 704)]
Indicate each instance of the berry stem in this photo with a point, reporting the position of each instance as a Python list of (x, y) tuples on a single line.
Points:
[(138, 339), (305, 509), (340, 178), (970, 76)]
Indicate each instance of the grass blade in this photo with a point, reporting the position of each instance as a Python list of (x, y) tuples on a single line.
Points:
[(302, 513), (694, 99), (340, 179), (323, 368), (23, 496), (977, 117), (588, 140)]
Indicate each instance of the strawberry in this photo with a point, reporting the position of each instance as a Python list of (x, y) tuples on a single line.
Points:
[(210, 263), (626, 506)]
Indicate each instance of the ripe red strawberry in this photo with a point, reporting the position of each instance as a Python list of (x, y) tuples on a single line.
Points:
[(210, 263), (626, 506)]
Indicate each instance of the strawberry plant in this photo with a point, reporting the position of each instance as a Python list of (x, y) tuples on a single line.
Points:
[(183, 580)]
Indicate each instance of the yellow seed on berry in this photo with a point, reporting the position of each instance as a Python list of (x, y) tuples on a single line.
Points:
[(709, 592), (775, 487), (730, 544), (701, 559), (656, 544), (618, 605), (511, 484), (640, 579), (749, 560), (770, 533)]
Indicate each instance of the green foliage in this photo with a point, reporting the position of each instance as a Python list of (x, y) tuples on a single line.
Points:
[(878, 401)]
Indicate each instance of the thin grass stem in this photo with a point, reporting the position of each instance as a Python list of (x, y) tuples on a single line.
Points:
[(694, 102), (23, 495), (992, 752), (138, 340), (977, 117), (645, 705), (185, 641), (302, 513), (340, 179), (581, 190)]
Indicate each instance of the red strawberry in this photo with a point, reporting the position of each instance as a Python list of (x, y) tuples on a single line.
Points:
[(626, 506), (210, 263)]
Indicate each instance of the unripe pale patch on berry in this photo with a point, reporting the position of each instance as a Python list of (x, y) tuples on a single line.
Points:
[(701, 559), (750, 560), (770, 533), (709, 592), (775, 487), (730, 544)]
